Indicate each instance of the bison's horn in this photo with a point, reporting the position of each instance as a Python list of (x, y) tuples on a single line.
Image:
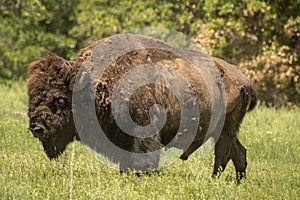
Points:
[(81, 81)]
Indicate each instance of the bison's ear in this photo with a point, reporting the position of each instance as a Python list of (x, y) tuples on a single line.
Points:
[(79, 80)]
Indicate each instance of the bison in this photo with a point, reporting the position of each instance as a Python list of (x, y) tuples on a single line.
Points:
[(52, 84)]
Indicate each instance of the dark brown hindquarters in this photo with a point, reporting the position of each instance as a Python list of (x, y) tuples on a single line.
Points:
[(228, 146)]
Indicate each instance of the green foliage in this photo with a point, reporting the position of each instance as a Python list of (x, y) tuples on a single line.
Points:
[(263, 37), (270, 136), (105, 18), (29, 29)]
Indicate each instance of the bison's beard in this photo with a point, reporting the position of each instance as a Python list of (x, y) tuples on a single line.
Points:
[(53, 147), (57, 141)]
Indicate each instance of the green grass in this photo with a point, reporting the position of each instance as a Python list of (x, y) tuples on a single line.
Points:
[(272, 138)]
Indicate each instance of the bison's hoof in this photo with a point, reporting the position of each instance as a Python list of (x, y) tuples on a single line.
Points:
[(214, 176), (240, 176), (184, 157)]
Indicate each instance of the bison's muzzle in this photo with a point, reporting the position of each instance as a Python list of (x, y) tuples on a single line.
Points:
[(37, 130)]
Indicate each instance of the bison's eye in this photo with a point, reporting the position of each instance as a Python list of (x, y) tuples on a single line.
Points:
[(61, 103), (58, 104), (53, 108)]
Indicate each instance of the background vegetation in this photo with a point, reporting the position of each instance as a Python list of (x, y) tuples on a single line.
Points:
[(270, 136), (260, 36)]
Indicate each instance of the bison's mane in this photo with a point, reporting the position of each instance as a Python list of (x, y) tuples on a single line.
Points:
[(51, 71)]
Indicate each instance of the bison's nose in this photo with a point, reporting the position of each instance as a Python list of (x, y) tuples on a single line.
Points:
[(37, 130)]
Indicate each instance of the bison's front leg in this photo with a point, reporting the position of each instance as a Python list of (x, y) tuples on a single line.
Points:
[(144, 157), (238, 155)]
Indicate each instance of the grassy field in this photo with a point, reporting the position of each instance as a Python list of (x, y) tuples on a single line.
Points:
[(271, 137)]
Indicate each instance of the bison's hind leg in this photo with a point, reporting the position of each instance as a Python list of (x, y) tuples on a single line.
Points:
[(222, 153), (229, 147), (238, 156)]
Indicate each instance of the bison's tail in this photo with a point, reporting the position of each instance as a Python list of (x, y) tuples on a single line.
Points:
[(253, 99)]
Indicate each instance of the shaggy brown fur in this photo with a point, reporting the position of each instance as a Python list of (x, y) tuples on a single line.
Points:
[(50, 87), (49, 103)]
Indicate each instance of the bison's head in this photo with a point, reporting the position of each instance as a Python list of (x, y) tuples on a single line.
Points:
[(50, 103)]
